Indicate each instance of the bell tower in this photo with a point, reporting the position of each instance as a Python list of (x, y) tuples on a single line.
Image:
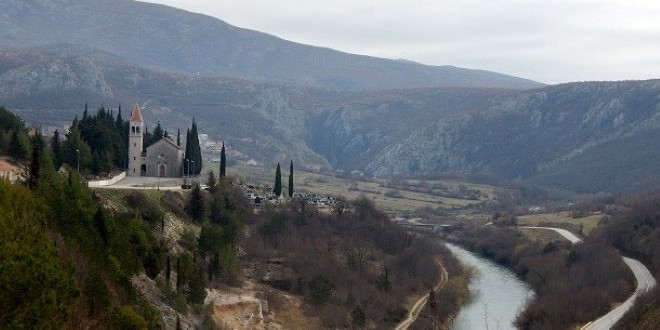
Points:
[(135, 142)]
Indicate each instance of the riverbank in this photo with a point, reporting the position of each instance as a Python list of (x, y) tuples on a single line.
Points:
[(439, 307), (561, 303), (497, 294)]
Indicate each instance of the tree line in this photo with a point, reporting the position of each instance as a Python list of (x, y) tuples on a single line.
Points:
[(353, 267), (66, 260), (574, 284), (95, 144), (633, 227)]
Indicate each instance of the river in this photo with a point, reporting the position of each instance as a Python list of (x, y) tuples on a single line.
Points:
[(497, 294)]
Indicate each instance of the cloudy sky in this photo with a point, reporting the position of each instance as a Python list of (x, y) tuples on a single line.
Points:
[(551, 41)]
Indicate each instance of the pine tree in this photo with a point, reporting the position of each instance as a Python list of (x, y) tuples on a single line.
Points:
[(277, 188), (76, 150), (157, 134), (35, 162), (56, 147), (223, 161), (291, 179), (19, 145), (101, 226)]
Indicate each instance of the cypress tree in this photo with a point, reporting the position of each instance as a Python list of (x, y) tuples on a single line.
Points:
[(193, 150), (196, 149), (223, 161), (187, 154), (277, 188), (211, 182), (168, 269), (179, 282), (196, 204), (178, 137), (291, 179), (85, 113)]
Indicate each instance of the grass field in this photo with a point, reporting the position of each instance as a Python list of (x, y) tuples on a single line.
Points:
[(402, 201), (588, 222), (544, 235)]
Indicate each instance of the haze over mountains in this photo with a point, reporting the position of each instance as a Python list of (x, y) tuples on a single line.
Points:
[(273, 100), (165, 38)]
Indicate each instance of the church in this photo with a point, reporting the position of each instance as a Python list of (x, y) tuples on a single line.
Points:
[(161, 159)]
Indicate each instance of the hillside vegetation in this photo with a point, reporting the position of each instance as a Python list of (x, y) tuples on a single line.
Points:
[(635, 231), (147, 259)]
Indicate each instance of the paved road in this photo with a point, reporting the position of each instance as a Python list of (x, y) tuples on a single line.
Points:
[(645, 281), (142, 183)]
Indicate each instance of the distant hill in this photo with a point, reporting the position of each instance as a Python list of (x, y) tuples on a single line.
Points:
[(587, 137), (169, 39), (265, 121), (590, 137)]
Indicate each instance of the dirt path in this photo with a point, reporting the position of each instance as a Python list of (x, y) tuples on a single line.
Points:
[(419, 304)]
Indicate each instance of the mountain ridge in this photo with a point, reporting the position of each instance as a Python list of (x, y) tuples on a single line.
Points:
[(585, 136), (174, 40), (576, 135)]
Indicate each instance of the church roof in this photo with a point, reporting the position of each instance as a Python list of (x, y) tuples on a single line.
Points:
[(171, 142), (165, 140), (136, 115)]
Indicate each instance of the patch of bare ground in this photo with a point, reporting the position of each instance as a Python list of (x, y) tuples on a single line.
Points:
[(256, 306)]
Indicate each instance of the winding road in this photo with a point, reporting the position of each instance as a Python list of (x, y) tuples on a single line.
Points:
[(645, 281), (419, 304)]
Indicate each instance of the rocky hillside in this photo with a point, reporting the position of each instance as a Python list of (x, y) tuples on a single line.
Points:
[(599, 136), (594, 136), (169, 39), (264, 121)]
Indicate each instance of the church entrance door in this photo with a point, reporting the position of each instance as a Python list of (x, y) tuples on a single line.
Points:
[(161, 170)]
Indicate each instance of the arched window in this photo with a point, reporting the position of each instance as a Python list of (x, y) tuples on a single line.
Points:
[(133, 129), (137, 129)]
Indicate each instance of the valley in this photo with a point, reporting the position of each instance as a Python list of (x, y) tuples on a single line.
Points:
[(145, 152)]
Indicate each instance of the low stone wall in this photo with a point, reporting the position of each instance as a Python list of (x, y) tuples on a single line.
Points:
[(108, 182)]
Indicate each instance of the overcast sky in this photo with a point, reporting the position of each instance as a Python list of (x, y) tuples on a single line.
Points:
[(550, 41)]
